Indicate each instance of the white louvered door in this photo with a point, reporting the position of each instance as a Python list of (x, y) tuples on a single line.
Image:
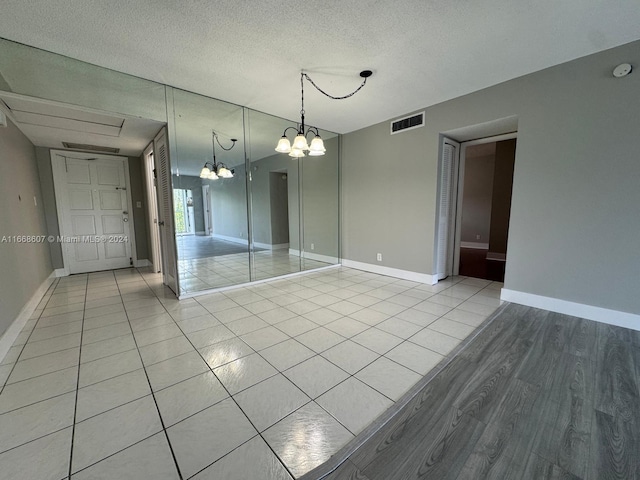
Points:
[(446, 208), (165, 210)]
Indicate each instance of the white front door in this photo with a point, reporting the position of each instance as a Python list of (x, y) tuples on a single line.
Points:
[(93, 211)]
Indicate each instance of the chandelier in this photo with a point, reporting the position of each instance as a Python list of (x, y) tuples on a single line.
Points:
[(213, 171), (300, 144)]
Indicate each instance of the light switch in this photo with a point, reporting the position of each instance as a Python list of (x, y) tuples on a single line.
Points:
[(138, 204)]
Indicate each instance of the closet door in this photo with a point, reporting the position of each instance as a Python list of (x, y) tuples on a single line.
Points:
[(165, 211), (446, 208)]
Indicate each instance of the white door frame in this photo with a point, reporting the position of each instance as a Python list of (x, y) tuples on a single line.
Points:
[(59, 203), (206, 203), (460, 181), (152, 208)]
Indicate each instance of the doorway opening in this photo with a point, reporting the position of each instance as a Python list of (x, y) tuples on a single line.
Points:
[(485, 183), (152, 208), (478, 160)]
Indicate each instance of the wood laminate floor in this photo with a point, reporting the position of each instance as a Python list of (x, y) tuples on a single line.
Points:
[(537, 395)]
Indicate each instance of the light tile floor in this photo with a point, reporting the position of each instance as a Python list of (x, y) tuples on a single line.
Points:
[(197, 274), (113, 377)]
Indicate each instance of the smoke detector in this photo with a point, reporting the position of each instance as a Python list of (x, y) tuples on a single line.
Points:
[(622, 70)]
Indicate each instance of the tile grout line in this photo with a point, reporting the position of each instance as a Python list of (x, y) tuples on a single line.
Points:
[(164, 428), (230, 396), (75, 406), (284, 292)]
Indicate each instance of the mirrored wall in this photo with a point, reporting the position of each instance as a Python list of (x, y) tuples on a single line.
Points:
[(272, 215)]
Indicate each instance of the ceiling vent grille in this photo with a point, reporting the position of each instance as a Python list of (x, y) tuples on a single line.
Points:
[(407, 123), (92, 148)]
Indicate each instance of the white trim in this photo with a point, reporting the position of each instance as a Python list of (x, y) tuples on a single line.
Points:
[(314, 256), (242, 241), (201, 234), (143, 263), (590, 312), (255, 282), (460, 192), (10, 335), (61, 272), (475, 245), (392, 272), (268, 246), (151, 207)]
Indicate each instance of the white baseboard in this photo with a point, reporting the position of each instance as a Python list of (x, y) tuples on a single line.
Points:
[(392, 272), (143, 263), (315, 256), (476, 245), (590, 312), (10, 335), (268, 246), (241, 241), (255, 282), (61, 272)]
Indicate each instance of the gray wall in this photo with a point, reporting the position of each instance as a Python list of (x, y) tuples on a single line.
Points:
[(229, 210), (320, 201), (45, 173), (279, 203), (476, 201), (574, 214), (501, 197), (263, 215), (24, 266), (136, 179)]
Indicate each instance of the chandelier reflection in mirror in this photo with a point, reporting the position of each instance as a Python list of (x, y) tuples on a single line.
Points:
[(213, 171), (300, 145)]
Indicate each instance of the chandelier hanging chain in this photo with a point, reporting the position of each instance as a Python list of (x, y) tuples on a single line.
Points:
[(215, 137), (364, 81), (300, 144)]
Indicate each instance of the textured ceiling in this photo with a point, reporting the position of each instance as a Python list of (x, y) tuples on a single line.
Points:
[(251, 52)]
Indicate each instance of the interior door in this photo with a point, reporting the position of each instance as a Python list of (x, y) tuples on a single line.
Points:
[(152, 208), (206, 204), (446, 208), (93, 212), (165, 211)]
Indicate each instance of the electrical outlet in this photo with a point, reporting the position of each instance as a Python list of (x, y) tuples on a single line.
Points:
[(138, 204), (313, 246), (379, 257), (477, 237)]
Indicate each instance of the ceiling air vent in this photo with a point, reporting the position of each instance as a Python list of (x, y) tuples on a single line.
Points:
[(92, 148), (407, 123)]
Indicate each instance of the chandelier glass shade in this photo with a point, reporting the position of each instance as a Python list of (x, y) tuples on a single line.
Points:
[(214, 170)]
